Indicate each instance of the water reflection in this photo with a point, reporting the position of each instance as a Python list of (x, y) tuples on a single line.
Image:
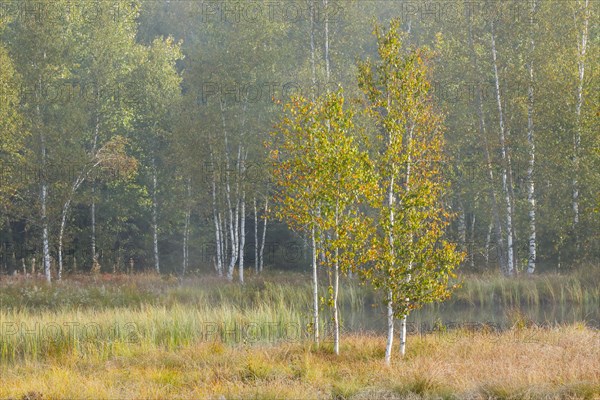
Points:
[(431, 318)]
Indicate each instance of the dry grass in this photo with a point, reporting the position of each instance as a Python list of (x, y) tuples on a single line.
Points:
[(528, 363), (168, 355)]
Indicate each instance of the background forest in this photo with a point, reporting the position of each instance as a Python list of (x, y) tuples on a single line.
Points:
[(133, 133)]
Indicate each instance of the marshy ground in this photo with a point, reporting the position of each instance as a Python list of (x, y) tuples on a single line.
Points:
[(145, 336)]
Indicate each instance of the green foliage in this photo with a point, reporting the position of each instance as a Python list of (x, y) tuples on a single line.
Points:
[(410, 258), (172, 77), (12, 134), (321, 175)]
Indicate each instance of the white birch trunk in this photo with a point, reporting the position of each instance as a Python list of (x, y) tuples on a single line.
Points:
[(407, 188), (93, 215), (236, 219), (218, 244), (45, 236), (487, 243), (312, 48), (224, 239), (472, 240), (255, 234), (63, 223), (186, 229), (511, 188), (93, 207), (462, 227), (230, 222), (505, 183), (327, 61), (44, 192), (336, 287), (315, 288), (530, 140), (264, 236), (242, 235), (390, 204), (390, 330), (216, 219), (336, 318), (233, 253), (222, 243), (63, 220), (155, 216)]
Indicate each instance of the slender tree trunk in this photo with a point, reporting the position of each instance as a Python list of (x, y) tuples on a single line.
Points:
[(582, 49), (232, 221), (408, 278), (264, 235), (93, 215), (93, 207), (218, 244), (155, 216), (511, 187), (487, 243), (505, 182), (43, 190), (255, 235), (242, 235), (530, 140), (462, 227), (45, 236), (336, 318), (390, 329), (315, 287), (236, 219), (63, 221), (222, 242), (336, 288), (186, 228), (472, 244), (218, 233), (186, 241), (224, 238), (390, 204), (61, 233), (327, 61), (233, 255), (312, 48)]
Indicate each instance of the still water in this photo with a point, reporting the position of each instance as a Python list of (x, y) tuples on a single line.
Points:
[(373, 318)]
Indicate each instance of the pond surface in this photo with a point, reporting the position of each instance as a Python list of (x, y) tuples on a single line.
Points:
[(430, 318)]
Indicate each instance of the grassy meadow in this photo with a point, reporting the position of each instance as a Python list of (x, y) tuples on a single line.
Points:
[(145, 336)]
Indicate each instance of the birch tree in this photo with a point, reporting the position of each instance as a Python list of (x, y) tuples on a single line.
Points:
[(294, 167), (411, 262), (322, 176)]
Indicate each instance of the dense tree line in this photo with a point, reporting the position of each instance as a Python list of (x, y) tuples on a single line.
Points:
[(133, 133)]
